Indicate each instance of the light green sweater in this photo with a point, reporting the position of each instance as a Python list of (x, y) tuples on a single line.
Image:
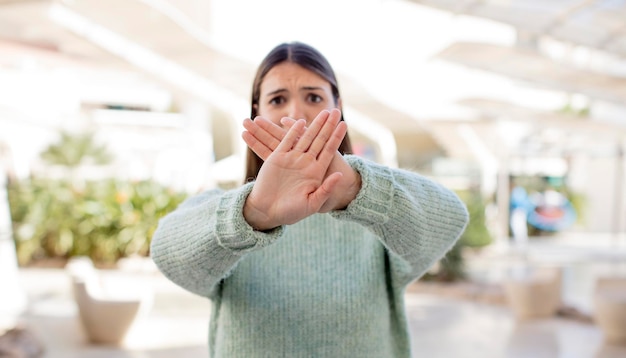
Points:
[(331, 285)]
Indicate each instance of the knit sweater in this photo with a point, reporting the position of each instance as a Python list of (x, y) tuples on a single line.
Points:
[(331, 285)]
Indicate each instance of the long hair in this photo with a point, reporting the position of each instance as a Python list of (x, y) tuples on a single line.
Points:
[(306, 57)]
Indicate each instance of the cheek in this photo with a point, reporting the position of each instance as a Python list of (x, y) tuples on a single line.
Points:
[(271, 115), (310, 114), (313, 110)]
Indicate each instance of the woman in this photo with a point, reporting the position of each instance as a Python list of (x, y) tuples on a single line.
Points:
[(310, 257)]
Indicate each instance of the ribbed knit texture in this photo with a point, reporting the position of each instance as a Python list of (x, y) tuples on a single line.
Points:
[(331, 285)]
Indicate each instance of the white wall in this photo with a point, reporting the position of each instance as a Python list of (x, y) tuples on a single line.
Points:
[(596, 180)]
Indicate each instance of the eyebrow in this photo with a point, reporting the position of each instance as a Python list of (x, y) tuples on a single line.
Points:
[(305, 88), (276, 92), (311, 88)]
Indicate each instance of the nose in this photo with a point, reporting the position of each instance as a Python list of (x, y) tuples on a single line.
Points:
[(296, 110)]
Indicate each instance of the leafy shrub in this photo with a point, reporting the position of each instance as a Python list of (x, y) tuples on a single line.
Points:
[(105, 219), (476, 234), (451, 267)]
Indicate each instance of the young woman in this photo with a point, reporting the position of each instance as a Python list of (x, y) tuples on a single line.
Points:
[(310, 257)]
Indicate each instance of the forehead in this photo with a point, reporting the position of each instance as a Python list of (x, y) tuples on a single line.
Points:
[(288, 75)]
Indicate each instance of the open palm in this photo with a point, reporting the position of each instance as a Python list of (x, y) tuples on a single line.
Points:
[(270, 135), (293, 182)]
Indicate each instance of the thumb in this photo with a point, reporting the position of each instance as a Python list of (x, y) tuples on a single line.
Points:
[(323, 193)]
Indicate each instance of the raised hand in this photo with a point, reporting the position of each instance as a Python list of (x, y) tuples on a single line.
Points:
[(263, 137), (293, 182)]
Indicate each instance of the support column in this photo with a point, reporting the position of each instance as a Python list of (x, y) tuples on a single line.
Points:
[(503, 201), (199, 144), (12, 299), (619, 196)]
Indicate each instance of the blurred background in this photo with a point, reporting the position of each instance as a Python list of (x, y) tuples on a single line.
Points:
[(113, 112)]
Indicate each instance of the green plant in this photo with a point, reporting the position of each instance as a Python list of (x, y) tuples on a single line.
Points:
[(105, 220), (452, 267), (72, 150), (476, 234)]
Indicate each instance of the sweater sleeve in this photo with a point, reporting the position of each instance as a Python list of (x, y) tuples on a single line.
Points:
[(197, 245), (416, 219)]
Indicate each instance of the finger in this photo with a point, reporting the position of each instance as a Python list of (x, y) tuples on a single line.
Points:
[(287, 122), (259, 129), (312, 131), (276, 131), (333, 143), (325, 133), (291, 138), (255, 145)]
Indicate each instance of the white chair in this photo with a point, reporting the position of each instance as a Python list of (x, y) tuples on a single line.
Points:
[(610, 308), (535, 294), (105, 315)]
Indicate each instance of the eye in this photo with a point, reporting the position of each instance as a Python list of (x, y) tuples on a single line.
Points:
[(277, 100), (315, 98)]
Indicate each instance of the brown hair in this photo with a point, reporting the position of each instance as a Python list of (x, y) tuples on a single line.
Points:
[(302, 55)]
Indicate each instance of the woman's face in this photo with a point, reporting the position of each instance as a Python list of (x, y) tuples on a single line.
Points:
[(289, 90)]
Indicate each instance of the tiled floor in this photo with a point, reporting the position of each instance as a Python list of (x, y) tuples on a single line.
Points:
[(177, 326), (449, 328)]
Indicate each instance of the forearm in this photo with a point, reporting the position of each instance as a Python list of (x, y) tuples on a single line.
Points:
[(347, 189), (416, 219), (198, 244)]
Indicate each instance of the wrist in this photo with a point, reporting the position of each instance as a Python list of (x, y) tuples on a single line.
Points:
[(351, 191), (256, 218)]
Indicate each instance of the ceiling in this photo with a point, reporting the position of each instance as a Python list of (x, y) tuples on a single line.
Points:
[(598, 24), (53, 29), (531, 66), (26, 22)]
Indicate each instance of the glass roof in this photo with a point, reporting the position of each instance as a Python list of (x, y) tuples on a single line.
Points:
[(597, 24)]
